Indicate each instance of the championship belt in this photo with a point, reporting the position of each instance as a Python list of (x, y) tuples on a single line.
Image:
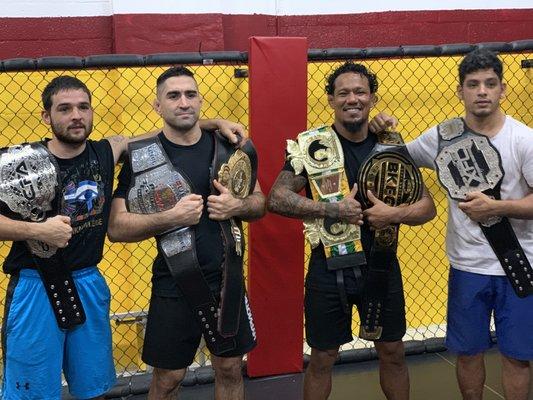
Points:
[(237, 171), (28, 186), (319, 152), (391, 175), (467, 162), (157, 186)]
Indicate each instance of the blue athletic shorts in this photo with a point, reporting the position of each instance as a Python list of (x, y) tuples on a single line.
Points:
[(36, 350), (472, 298)]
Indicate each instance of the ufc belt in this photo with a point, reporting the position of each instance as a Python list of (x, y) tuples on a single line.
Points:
[(319, 152), (28, 186), (392, 176), (237, 171), (467, 162)]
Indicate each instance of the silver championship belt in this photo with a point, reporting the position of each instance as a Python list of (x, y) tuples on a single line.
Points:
[(235, 169), (392, 176), (468, 162), (156, 186), (29, 186)]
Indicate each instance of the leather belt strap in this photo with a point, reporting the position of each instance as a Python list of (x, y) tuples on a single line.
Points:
[(466, 162), (232, 291), (509, 252), (177, 246), (61, 291), (186, 272), (339, 264), (31, 189)]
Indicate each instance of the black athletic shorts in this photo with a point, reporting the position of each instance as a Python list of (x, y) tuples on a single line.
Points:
[(327, 326), (173, 335)]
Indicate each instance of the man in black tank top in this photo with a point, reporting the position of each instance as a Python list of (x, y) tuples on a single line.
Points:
[(351, 94), (36, 350), (173, 331)]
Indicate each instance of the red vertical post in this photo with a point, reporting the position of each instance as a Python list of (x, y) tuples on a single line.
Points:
[(278, 111)]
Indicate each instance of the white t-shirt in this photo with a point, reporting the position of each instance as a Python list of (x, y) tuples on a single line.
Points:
[(466, 245)]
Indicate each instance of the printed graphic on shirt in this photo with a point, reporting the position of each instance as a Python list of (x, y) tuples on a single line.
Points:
[(83, 195)]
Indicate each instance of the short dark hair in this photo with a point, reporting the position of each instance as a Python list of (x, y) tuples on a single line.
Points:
[(356, 69), (477, 60), (59, 84), (178, 70)]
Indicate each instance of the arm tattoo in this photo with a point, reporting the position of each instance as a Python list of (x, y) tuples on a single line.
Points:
[(285, 200), (253, 207), (332, 210)]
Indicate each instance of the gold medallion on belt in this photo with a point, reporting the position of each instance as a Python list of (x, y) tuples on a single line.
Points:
[(236, 176)]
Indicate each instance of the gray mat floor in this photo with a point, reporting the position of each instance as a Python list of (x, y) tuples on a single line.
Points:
[(432, 378)]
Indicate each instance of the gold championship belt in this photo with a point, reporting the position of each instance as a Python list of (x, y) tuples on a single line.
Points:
[(237, 171), (319, 152), (29, 183), (236, 176), (391, 175), (468, 162)]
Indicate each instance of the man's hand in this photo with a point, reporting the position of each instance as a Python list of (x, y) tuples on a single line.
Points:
[(382, 122), (233, 131), (478, 206), (55, 231), (188, 210), (224, 206), (349, 209), (380, 215)]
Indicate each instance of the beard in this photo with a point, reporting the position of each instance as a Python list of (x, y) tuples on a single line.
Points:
[(64, 136), (353, 127)]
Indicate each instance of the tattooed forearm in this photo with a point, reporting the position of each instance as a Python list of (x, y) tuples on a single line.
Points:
[(253, 207), (285, 200), (333, 210)]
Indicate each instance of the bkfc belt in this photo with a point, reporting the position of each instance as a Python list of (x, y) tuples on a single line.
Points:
[(391, 175), (157, 186), (319, 152), (236, 170), (468, 162), (28, 186)]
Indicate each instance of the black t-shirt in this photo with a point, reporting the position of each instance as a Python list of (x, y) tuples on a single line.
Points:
[(194, 163), (86, 189), (318, 276)]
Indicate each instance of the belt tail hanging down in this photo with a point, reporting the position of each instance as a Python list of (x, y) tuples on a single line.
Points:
[(236, 169)]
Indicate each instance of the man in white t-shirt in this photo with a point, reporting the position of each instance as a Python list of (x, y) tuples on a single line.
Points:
[(478, 285)]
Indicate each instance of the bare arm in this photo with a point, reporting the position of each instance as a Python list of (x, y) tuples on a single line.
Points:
[(380, 215), (285, 200), (55, 231), (480, 207), (130, 227), (224, 206)]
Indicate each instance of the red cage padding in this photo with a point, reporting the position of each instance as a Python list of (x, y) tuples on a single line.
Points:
[(278, 111)]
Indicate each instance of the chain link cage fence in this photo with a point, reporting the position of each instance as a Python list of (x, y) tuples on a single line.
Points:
[(417, 84)]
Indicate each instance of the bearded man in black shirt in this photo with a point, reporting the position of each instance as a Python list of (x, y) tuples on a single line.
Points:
[(197, 285), (333, 286)]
